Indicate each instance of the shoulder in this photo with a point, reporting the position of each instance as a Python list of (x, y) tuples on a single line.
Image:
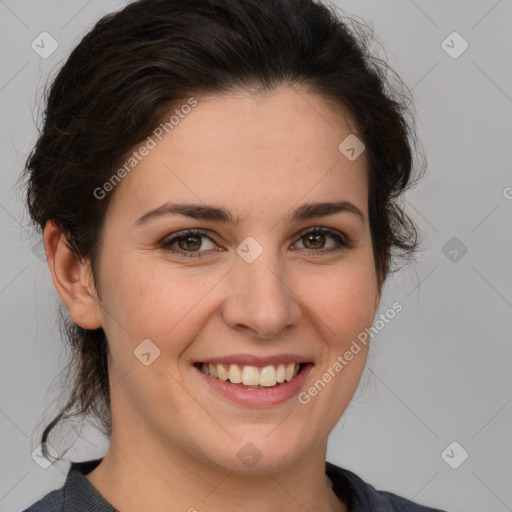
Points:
[(76, 495), (361, 496)]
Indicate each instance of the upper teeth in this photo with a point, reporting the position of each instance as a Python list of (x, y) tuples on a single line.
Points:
[(251, 375)]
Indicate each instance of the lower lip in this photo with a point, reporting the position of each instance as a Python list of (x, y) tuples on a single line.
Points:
[(257, 397)]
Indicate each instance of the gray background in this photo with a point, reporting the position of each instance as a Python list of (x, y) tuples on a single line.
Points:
[(441, 369)]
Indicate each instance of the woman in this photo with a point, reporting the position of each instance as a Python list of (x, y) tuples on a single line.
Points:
[(216, 182)]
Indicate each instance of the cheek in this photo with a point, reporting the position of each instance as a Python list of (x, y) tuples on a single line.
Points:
[(341, 307), (150, 301), (343, 300)]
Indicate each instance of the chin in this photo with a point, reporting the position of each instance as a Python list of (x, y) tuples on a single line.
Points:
[(261, 453)]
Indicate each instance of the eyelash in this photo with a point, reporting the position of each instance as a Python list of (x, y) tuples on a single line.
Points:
[(166, 244)]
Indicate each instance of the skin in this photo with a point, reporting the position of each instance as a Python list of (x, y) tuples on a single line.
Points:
[(174, 442)]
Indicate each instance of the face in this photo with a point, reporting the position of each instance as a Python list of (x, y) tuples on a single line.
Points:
[(261, 280)]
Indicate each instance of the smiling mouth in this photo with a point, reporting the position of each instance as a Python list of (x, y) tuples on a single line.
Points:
[(252, 377)]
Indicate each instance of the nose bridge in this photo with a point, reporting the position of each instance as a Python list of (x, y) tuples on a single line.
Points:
[(260, 298)]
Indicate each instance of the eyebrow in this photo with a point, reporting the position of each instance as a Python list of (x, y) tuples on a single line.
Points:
[(212, 213)]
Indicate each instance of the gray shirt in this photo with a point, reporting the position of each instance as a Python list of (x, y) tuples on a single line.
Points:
[(79, 495)]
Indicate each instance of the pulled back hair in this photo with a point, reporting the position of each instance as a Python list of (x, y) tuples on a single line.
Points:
[(137, 65)]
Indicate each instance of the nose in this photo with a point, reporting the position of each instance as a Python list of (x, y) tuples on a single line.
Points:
[(261, 301)]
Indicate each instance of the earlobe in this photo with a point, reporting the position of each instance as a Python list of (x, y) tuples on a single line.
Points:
[(72, 279)]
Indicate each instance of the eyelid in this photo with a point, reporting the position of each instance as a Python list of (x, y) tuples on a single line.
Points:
[(167, 242), (340, 237), (323, 229)]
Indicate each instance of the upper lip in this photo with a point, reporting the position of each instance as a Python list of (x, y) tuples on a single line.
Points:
[(251, 360)]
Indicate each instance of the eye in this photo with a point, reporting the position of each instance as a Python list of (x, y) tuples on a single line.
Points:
[(315, 240), (188, 243)]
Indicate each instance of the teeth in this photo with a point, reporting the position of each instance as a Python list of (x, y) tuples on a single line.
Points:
[(222, 373), (235, 374), (281, 373), (212, 370), (267, 376), (251, 375), (289, 372)]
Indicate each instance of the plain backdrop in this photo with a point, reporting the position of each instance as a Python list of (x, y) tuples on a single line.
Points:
[(440, 370)]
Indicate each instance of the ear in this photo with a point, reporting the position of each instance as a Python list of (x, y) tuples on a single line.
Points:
[(72, 279)]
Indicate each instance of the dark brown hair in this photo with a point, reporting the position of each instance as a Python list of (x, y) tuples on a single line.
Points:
[(137, 65)]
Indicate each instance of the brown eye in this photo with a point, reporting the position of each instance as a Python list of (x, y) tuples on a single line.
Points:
[(314, 240), (190, 242), (323, 240)]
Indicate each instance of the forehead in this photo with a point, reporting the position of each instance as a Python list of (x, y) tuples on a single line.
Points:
[(249, 150)]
